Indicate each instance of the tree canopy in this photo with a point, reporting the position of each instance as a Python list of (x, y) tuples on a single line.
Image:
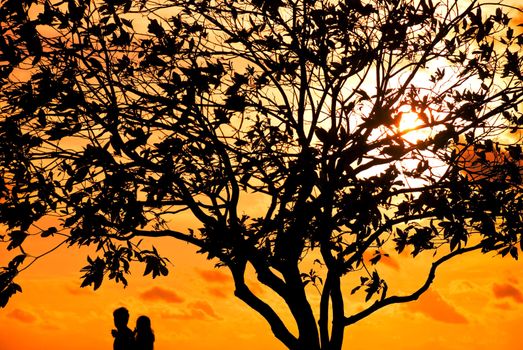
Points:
[(360, 127)]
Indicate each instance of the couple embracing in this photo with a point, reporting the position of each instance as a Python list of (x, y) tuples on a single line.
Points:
[(124, 339)]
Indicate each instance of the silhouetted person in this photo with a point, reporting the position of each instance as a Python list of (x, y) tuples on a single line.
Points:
[(143, 334), (123, 336)]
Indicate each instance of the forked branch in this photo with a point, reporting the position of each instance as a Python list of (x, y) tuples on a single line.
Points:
[(415, 295)]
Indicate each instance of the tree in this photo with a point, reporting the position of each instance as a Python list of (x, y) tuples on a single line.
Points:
[(118, 116)]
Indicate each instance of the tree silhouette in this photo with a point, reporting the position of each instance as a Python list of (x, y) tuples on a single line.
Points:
[(120, 116)]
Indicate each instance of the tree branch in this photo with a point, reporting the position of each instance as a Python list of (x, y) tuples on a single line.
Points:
[(167, 233), (415, 295), (243, 292)]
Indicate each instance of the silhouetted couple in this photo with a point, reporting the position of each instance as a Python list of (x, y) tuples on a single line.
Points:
[(124, 339)]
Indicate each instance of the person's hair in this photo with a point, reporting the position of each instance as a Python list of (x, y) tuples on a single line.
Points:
[(143, 328), (121, 314)]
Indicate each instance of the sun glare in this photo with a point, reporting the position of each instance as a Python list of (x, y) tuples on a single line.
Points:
[(414, 129), (409, 120), (411, 126)]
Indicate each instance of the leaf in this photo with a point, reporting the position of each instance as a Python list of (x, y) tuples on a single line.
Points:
[(322, 135), (148, 269), (7, 292), (510, 33), (17, 261), (395, 151), (49, 232), (94, 273), (109, 29), (95, 63), (363, 94), (235, 103), (455, 242), (31, 37), (17, 238), (126, 22), (354, 290), (375, 259), (369, 295), (155, 28)]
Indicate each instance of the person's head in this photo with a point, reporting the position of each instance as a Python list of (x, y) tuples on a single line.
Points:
[(143, 324), (121, 317)]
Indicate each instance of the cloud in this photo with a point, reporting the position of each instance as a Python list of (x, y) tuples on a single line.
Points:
[(507, 291), (184, 316), (161, 294), (22, 316), (218, 292), (198, 310), (214, 276), (512, 280), (503, 306), (432, 305), (204, 307), (76, 290)]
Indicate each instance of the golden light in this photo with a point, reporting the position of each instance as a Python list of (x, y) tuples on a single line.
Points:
[(409, 120), (411, 126), (413, 129)]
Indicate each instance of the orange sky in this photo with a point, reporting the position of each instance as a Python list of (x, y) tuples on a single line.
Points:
[(476, 302)]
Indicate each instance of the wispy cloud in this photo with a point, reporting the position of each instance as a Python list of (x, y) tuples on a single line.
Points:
[(507, 290), (218, 292), (431, 304), (22, 316), (214, 276), (203, 306), (161, 294), (75, 290), (198, 310), (503, 306)]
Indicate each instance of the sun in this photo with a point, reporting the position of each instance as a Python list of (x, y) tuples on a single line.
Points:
[(415, 127), (411, 127), (409, 120)]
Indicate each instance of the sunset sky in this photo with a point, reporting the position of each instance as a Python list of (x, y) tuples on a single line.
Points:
[(475, 303)]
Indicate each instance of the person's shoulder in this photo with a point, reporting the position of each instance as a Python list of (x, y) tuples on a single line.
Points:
[(128, 333)]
